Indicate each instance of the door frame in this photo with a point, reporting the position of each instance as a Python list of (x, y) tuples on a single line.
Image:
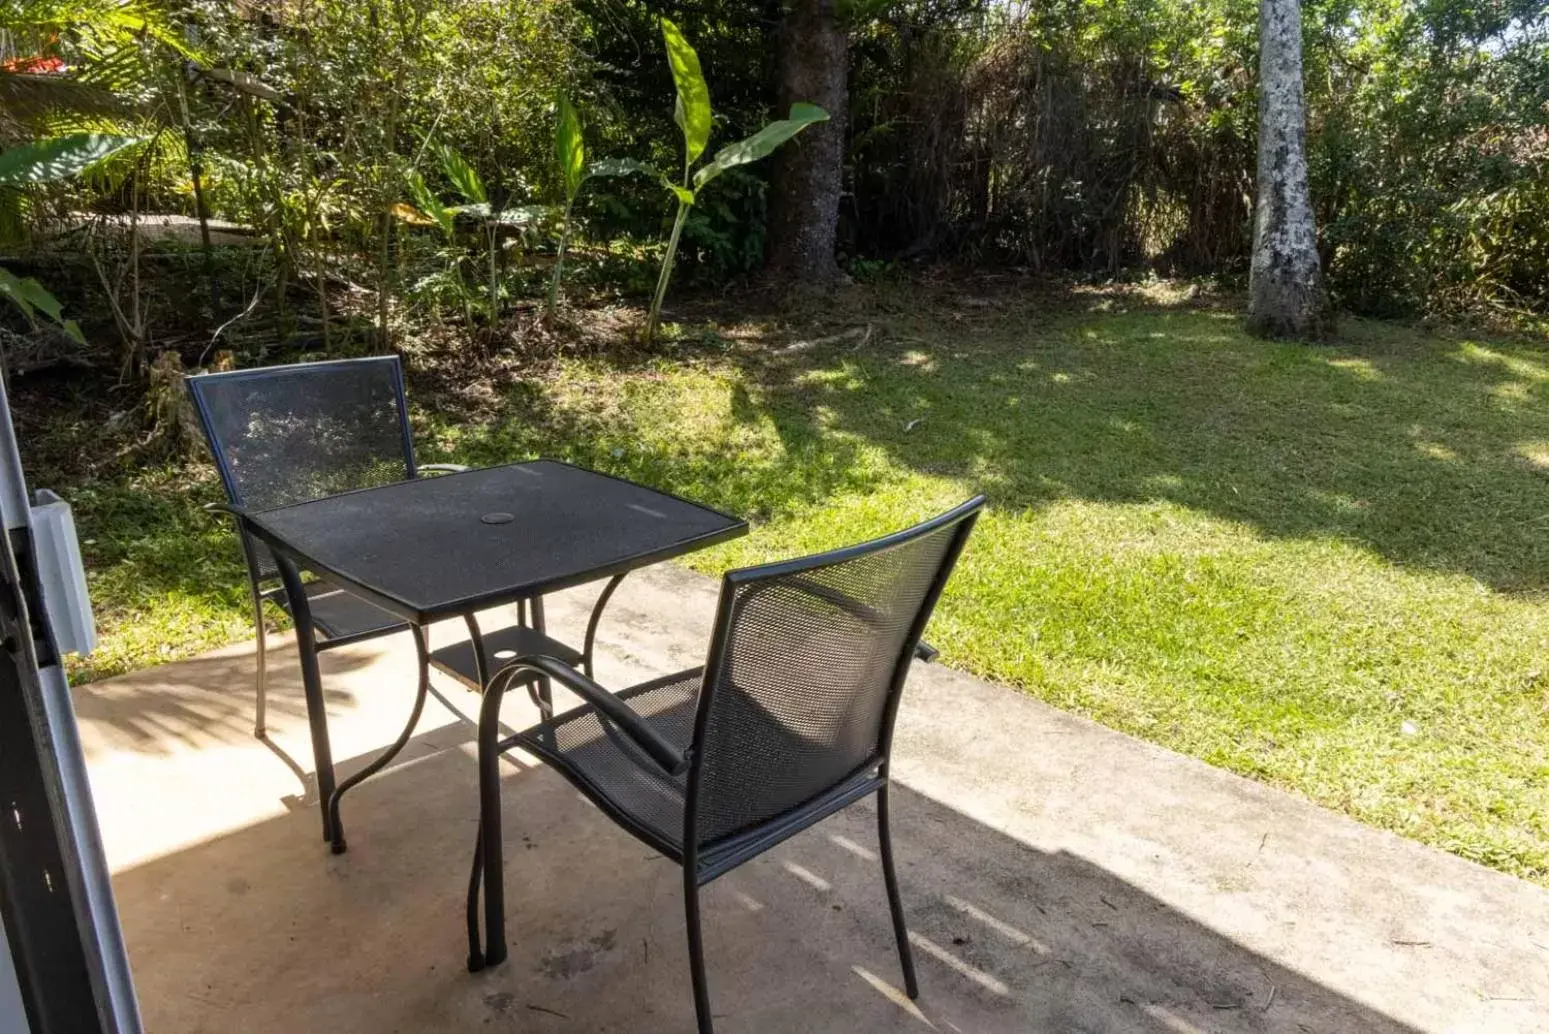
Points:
[(56, 897)]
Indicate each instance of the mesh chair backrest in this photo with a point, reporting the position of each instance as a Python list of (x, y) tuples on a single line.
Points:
[(286, 434), (808, 663)]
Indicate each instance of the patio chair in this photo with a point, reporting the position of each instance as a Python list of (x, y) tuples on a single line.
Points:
[(288, 434), (789, 721)]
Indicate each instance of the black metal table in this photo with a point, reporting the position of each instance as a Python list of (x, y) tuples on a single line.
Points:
[(437, 548)]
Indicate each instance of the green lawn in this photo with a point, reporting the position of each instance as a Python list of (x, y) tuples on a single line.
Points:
[(1323, 567)]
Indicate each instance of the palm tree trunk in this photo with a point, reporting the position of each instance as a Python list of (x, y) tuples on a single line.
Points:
[(809, 171), (1285, 285)]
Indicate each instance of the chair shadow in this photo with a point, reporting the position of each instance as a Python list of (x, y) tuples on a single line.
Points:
[(1019, 938), (261, 929)]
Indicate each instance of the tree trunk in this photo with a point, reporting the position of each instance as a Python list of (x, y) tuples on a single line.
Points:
[(1285, 282), (809, 171)]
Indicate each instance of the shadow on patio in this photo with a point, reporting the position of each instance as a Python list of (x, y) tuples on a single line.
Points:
[(261, 930), (1057, 877)]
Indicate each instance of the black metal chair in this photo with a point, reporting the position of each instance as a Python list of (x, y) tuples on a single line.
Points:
[(789, 721), (286, 434)]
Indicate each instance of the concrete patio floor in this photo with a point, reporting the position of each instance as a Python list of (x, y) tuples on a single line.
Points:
[(1057, 876)]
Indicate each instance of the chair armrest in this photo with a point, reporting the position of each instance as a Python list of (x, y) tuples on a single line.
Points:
[(239, 518), (669, 758), (442, 468), (236, 513), (926, 652)]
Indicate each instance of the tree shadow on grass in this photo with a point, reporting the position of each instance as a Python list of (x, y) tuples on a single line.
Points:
[(1433, 453)]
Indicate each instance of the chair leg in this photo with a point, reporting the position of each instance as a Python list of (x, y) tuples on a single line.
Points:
[(900, 931), (259, 727), (475, 946), (696, 952), (491, 851)]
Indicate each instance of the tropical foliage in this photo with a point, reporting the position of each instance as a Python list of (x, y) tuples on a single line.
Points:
[(270, 178), (390, 162), (574, 171), (692, 113), (79, 96)]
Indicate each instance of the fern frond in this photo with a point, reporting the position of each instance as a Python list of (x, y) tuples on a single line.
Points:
[(32, 104)]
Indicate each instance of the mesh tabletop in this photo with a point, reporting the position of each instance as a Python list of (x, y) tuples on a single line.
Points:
[(438, 547)]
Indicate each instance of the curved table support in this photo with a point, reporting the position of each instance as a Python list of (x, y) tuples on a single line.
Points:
[(481, 659), (391, 752), (481, 666), (542, 691), (591, 625), (480, 662)]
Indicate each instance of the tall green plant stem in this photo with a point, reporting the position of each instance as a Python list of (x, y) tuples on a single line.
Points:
[(559, 257), (494, 269), (666, 274), (694, 118)]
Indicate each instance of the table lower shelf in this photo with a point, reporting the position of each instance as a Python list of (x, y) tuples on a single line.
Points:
[(501, 646)]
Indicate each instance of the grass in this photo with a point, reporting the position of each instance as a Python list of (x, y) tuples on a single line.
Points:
[(166, 580), (1323, 567)]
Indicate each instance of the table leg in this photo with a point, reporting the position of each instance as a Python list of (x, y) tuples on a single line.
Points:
[(312, 684), (422, 645), (545, 686), (476, 959), (591, 625), (476, 640), (481, 664)]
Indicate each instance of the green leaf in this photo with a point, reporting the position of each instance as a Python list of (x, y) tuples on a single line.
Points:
[(683, 194), (59, 158), (143, 20), (692, 110), (428, 203), (12, 288), (569, 148), (621, 167), (35, 293), (761, 144), (462, 175), (32, 297)]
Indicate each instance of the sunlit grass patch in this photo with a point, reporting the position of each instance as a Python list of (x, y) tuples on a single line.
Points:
[(1326, 568)]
